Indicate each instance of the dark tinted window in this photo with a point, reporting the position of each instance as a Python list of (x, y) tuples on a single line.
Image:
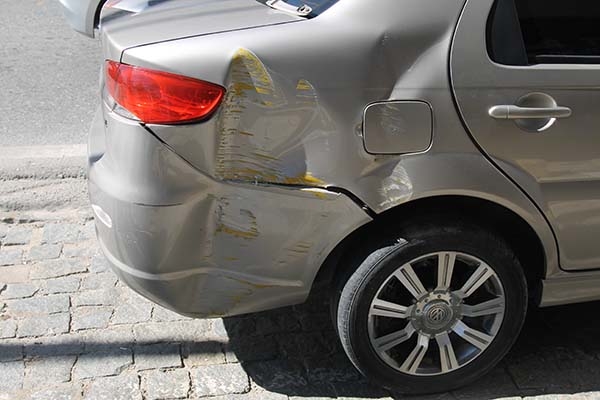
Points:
[(545, 31)]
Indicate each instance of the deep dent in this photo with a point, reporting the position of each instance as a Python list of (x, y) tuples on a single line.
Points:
[(261, 130)]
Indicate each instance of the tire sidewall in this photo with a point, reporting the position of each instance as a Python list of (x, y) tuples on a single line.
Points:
[(492, 250)]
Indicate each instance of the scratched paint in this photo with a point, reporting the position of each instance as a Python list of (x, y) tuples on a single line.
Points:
[(240, 224), (397, 187), (320, 193), (262, 131), (295, 252)]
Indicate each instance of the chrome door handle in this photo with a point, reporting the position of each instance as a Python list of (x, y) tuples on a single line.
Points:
[(516, 112)]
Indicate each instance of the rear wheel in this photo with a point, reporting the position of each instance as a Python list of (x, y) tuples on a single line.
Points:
[(433, 311)]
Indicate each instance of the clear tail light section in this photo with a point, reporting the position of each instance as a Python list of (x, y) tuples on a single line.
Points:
[(157, 97)]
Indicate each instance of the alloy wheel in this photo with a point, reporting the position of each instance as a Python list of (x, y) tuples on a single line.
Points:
[(436, 313)]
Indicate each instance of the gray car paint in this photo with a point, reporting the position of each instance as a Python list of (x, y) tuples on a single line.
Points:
[(395, 127), (206, 216), (81, 14), (558, 167), (129, 23), (200, 246)]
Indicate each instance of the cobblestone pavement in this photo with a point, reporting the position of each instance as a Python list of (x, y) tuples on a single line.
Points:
[(69, 329)]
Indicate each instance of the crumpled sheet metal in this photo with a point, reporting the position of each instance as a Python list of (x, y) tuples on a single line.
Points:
[(262, 129)]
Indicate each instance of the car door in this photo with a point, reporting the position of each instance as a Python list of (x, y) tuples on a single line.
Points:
[(526, 77)]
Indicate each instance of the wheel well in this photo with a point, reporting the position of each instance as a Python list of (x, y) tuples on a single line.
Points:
[(514, 229), (97, 14)]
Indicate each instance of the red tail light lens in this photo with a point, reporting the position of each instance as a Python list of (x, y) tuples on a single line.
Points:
[(157, 97)]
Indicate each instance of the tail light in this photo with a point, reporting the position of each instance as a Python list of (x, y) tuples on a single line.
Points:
[(157, 97)]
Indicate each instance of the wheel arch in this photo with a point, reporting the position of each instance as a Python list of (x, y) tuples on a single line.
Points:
[(97, 14), (519, 234)]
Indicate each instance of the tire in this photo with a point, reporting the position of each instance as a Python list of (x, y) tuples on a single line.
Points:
[(435, 322)]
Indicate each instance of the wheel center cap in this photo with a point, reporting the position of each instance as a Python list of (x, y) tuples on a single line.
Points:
[(437, 314)]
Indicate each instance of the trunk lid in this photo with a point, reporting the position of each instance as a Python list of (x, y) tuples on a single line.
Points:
[(131, 23)]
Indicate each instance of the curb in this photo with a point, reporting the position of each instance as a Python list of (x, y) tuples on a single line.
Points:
[(43, 162)]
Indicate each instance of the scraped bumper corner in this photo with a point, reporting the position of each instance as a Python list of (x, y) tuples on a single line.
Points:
[(205, 248)]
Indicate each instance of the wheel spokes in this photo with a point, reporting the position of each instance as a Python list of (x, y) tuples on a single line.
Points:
[(478, 278), (393, 339), (448, 360), (407, 276), (411, 364), (382, 308), (436, 311), (490, 307), (476, 338), (445, 268)]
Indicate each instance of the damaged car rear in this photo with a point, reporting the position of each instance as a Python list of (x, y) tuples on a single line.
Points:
[(247, 152)]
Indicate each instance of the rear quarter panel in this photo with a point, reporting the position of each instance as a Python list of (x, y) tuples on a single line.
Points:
[(296, 97)]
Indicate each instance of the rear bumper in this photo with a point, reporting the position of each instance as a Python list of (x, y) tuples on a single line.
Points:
[(81, 14), (201, 247)]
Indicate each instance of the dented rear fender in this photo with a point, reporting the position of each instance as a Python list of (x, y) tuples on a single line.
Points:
[(296, 93), (200, 246)]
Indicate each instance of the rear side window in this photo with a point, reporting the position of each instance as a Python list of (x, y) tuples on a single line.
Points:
[(529, 32)]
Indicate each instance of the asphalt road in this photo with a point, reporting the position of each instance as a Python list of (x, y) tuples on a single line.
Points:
[(48, 76)]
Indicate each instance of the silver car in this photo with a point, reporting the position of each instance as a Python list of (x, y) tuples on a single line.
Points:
[(432, 164)]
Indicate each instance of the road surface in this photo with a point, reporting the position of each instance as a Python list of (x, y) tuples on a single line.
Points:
[(48, 76)]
